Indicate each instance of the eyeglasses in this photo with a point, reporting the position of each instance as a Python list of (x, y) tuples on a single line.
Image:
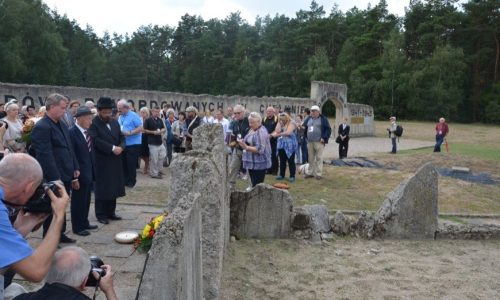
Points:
[(238, 112)]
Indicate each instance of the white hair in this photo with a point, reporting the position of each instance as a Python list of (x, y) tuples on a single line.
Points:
[(123, 103), (70, 266), (90, 104), (255, 116), (18, 168), (145, 109), (10, 106), (239, 107)]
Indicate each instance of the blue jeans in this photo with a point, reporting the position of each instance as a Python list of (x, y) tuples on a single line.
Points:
[(439, 141), (298, 154), (394, 147), (304, 152)]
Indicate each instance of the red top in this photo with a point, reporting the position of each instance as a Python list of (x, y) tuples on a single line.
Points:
[(442, 128)]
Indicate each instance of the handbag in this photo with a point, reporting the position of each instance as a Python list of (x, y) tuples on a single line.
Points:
[(176, 141), (337, 140)]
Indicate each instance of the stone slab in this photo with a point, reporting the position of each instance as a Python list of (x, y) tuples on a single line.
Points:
[(264, 212), (411, 210)]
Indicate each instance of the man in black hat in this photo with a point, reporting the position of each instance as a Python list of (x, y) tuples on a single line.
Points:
[(82, 187), (108, 143)]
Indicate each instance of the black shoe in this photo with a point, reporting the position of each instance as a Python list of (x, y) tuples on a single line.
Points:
[(66, 240), (103, 221), (114, 217), (82, 233), (91, 226), (130, 185)]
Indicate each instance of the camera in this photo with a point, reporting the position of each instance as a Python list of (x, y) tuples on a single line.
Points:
[(3, 123), (96, 264), (40, 201)]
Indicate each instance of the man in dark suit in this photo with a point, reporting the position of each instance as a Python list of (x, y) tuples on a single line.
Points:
[(84, 152), (54, 150), (109, 143), (343, 139)]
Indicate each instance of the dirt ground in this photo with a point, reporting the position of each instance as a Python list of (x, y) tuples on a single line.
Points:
[(351, 268), (359, 269)]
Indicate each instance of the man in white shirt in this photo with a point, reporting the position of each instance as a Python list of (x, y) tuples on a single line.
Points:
[(219, 118)]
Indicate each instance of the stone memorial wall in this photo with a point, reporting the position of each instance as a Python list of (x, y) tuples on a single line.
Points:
[(360, 116)]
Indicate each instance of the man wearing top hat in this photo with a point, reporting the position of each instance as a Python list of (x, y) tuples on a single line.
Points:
[(84, 152), (108, 142)]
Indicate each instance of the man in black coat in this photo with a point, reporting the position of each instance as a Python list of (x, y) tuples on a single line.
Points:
[(54, 150), (82, 189), (343, 139), (109, 143), (270, 123)]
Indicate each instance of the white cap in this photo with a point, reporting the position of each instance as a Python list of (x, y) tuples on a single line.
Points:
[(315, 107)]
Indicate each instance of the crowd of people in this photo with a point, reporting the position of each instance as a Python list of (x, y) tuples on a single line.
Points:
[(97, 148)]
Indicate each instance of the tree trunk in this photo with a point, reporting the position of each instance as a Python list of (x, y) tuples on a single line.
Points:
[(497, 57)]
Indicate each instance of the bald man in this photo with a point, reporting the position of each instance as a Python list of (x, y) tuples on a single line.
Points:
[(20, 175), (68, 276)]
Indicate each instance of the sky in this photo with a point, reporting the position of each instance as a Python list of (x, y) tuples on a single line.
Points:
[(125, 16)]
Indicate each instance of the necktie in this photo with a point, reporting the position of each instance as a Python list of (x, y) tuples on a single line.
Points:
[(89, 142)]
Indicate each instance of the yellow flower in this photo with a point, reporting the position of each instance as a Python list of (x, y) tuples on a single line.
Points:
[(145, 232), (157, 221)]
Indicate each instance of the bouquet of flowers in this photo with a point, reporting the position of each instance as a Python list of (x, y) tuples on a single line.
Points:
[(26, 132), (145, 239)]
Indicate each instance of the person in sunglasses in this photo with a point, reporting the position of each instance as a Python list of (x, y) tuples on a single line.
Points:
[(20, 175)]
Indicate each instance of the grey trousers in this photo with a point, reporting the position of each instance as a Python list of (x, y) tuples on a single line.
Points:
[(157, 154)]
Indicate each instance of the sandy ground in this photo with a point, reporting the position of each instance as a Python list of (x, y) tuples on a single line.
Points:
[(359, 269)]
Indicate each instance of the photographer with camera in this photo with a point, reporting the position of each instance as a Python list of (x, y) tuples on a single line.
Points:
[(69, 276), (20, 176)]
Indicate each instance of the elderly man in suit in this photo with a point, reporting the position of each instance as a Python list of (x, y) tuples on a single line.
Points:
[(54, 150), (82, 188), (109, 143)]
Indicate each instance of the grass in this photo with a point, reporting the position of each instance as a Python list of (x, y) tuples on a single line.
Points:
[(474, 146)]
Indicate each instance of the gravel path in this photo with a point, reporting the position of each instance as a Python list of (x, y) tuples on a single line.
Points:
[(365, 145)]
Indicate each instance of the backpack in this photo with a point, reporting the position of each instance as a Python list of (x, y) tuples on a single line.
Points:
[(399, 131)]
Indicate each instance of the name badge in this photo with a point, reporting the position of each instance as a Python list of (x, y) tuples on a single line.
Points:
[(311, 129)]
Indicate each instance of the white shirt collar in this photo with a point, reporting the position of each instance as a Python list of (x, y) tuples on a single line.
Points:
[(81, 130)]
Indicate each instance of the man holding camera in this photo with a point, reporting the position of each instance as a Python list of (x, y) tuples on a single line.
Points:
[(69, 275), (54, 150), (20, 175)]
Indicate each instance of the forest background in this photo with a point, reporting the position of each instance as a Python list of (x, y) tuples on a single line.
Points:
[(439, 59)]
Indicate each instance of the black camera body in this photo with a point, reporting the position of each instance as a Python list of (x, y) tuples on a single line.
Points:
[(3, 123), (96, 264), (40, 201)]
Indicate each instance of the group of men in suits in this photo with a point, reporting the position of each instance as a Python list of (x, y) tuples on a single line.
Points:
[(89, 152)]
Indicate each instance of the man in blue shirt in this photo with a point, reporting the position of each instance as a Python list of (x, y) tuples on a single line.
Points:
[(20, 175), (131, 127)]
